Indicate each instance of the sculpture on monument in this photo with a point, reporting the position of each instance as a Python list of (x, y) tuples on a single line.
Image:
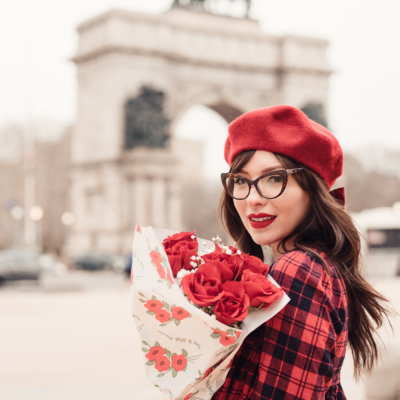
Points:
[(145, 122), (206, 5)]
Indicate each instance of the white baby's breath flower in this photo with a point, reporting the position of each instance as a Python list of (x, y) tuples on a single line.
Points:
[(193, 264), (213, 239), (193, 237), (213, 316), (239, 252), (193, 271), (229, 251), (180, 274), (193, 257)]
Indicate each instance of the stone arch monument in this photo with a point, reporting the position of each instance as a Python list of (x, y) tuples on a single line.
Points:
[(225, 63)]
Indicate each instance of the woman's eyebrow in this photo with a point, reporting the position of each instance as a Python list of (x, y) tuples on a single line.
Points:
[(242, 171)]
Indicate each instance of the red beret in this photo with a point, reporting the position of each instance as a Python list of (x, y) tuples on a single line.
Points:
[(287, 131)]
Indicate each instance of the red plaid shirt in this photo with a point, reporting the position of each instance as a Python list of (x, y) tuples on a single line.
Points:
[(297, 354)]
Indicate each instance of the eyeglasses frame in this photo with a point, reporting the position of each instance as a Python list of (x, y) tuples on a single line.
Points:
[(282, 172)]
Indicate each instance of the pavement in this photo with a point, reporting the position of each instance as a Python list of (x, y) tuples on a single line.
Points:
[(81, 344)]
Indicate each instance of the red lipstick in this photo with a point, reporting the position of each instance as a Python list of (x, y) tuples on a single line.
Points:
[(261, 224)]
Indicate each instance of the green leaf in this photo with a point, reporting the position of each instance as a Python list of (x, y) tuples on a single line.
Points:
[(215, 335), (144, 342), (199, 372), (159, 375), (166, 306), (174, 373), (168, 353), (143, 301), (153, 264), (190, 315), (177, 322), (149, 363), (169, 285), (164, 260), (142, 294), (184, 352), (151, 312), (153, 297), (156, 250), (157, 344), (144, 349), (230, 332), (184, 369), (160, 281)]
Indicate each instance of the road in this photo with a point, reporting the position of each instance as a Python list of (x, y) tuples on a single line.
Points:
[(82, 345)]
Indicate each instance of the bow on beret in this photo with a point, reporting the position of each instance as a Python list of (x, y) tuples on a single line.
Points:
[(288, 131)]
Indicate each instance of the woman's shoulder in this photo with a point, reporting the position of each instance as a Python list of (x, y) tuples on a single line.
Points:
[(306, 267), (301, 265)]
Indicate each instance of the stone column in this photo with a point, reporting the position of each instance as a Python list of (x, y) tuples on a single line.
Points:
[(175, 205), (158, 209), (140, 197)]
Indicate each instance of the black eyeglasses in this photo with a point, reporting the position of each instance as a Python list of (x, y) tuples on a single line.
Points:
[(270, 185)]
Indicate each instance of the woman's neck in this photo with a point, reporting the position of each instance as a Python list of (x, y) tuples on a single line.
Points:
[(277, 254)]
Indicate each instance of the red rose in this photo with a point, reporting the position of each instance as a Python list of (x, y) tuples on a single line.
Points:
[(161, 271), (153, 305), (171, 241), (163, 316), (179, 313), (233, 305), (179, 362), (204, 286), (230, 266), (162, 364), (187, 250), (259, 289), (155, 257), (254, 264), (175, 260), (155, 353)]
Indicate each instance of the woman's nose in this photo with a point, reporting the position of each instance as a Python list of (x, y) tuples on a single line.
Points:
[(255, 198)]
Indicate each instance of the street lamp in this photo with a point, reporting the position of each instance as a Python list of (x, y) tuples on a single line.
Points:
[(67, 219), (17, 213), (36, 214)]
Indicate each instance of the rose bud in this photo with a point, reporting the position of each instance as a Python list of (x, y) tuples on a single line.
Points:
[(225, 261), (204, 287), (171, 241), (187, 250), (259, 289), (234, 304), (175, 260), (254, 264)]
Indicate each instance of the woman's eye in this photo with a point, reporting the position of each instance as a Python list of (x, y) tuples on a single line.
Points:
[(239, 181), (275, 179)]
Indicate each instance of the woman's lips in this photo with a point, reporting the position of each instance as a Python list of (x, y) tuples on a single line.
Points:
[(261, 224)]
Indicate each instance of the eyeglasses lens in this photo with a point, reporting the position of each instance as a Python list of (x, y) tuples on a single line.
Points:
[(270, 186)]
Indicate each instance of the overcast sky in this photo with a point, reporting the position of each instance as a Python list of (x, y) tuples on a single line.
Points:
[(37, 38)]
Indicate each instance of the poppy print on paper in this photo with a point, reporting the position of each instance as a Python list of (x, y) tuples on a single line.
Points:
[(163, 312), (164, 361), (160, 262), (225, 338)]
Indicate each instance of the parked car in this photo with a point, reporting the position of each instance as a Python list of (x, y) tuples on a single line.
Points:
[(19, 264), (96, 260)]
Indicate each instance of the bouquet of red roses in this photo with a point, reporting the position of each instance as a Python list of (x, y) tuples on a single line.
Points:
[(194, 302), (223, 281)]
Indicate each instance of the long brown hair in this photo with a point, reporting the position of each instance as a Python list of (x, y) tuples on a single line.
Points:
[(328, 228)]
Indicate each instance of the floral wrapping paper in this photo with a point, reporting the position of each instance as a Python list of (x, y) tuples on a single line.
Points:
[(186, 353)]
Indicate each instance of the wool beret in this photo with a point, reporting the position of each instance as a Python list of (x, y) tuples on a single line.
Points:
[(287, 131)]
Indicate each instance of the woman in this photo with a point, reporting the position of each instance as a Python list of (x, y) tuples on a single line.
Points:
[(282, 166)]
